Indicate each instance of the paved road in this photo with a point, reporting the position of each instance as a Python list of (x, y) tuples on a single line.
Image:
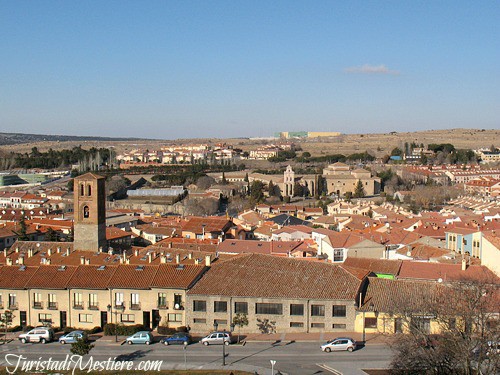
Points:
[(301, 358)]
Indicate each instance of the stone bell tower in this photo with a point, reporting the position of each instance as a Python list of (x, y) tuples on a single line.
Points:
[(89, 212)]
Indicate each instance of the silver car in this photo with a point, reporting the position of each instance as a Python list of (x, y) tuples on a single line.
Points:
[(39, 334), (217, 338), (340, 343)]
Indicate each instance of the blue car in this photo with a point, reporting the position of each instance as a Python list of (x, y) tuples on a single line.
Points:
[(141, 337), (72, 337), (181, 338)]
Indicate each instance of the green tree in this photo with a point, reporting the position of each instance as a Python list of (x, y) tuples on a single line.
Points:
[(396, 151), (6, 320), (359, 191), (22, 234), (51, 235), (240, 320), (257, 192), (81, 347)]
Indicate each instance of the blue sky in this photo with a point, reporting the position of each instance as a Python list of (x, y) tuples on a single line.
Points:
[(182, 69)]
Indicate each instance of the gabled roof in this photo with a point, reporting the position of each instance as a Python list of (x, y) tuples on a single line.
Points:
[(51, 277), (175, 276), (92, 277), (89, 176), (384, 266), (133, 277), (15, 277), (257, 247), (266, 276), (443, 271)]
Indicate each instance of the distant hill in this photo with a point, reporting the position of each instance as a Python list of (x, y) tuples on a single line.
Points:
[(17, 138)]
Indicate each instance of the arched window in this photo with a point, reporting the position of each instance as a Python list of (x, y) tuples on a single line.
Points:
[(82, 189), (86, 212), (89, 190)]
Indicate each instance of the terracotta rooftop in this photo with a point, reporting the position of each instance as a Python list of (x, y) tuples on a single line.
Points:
[(443, 271), (266, 276), (15, 277), (51, 277), (375, 265), (92, 277), (175, 276), (258, 247)]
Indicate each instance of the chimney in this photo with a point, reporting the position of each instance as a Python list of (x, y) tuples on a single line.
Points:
[(110, 251), (48, 262), (170, 245), (58, 250), (82, 260), (196, 261), (21, 260), (136, 252), (30, 253), (464, 264), (150, 257), (49, 252), (163, 259), (5, 253), (17, 249), (9, 261), (99, 250), (68, 251), (177, 258), (190, 255), (87, 261), (208, 260), (127, 260)]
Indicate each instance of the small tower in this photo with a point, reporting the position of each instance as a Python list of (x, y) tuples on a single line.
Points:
[(89, 212), (289, 181)]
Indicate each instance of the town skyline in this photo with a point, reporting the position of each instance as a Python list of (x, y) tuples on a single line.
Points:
[(192, 70)]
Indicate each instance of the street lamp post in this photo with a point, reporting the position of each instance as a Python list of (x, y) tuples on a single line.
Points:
[(110, 310), (273, 362)]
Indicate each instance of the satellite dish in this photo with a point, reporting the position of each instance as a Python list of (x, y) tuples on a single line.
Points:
[(440, 280), (177, 306)]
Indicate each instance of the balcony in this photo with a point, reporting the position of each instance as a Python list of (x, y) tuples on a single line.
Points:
[(38, 305), (135, 306), (93, 306), (52, 306), (78, 305), (13, 306)]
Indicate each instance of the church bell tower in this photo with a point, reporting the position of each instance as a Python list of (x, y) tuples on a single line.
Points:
[(89, 212)]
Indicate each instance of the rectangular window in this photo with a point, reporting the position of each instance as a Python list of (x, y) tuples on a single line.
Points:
[(77, 301), (317, 325), (317, 310), (371, 322), (134, 301), (339, 311), (177, 301), (175, 317), (338, 255), (12, 301), (269, 308), (199, 321), (296, 325), (52, 301), (119, 299), (338, 326), (93, 304), (37, 300), (162, 300), (220, 306), (127, 318), (241, 307), (45, 318), (296, 309), (200, 306), (220, 322), (85, 318)]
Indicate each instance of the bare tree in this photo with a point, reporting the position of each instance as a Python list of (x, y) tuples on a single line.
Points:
[(466, 314)]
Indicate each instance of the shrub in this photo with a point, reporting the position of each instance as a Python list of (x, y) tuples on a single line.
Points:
[(166, 330), (122, 330), (182, 329), (96, 329), (15, 329)]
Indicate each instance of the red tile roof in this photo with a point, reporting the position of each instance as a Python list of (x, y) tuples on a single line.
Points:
[(443, 271), (375, 265), (256, 275), (175, 276), (51, 277), (133, 277)]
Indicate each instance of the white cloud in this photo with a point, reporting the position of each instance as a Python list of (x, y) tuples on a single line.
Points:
[(371, 69)]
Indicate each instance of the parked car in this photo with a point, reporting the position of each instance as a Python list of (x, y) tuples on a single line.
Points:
[(217, 338), (340, 343), (72, 337), (38, 334), (141, 337), (181, 338)]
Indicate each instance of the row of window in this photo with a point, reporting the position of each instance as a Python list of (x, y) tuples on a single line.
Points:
[(124, 318), (93, 301), (269, 308), (221, 322)]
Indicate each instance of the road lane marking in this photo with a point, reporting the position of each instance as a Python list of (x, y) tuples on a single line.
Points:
[(328, 368)]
